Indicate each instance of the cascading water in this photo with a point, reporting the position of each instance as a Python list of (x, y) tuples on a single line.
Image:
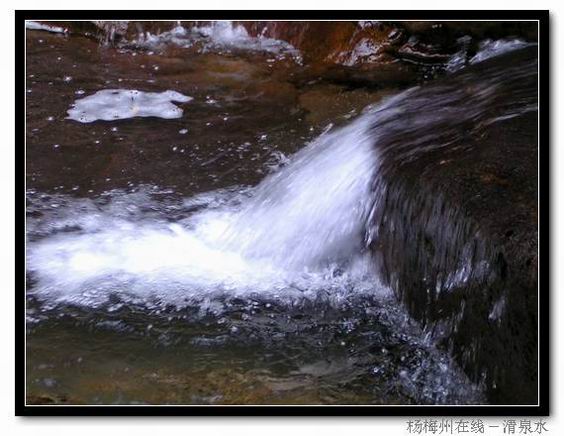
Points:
[(302, 225)]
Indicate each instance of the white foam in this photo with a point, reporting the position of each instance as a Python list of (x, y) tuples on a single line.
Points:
[(119, 104), (300, 230)]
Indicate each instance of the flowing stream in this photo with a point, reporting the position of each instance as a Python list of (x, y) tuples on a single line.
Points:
[(215, 252)]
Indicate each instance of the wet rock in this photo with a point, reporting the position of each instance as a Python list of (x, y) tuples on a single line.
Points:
[(457, 221), (347, 43), (354, 43), (343, 42), (440, 31), (110, 32)]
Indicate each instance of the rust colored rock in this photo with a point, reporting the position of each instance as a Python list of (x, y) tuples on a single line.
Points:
[(369, 44), (341, 42), (374, 43)]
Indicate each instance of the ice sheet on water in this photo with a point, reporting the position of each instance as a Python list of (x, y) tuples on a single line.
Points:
[(34, 25), (120, 104)]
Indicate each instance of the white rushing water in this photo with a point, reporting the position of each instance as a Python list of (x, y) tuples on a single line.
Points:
[(300, 229)]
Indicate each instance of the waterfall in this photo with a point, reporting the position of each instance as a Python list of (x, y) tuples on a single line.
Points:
[(301, 228)]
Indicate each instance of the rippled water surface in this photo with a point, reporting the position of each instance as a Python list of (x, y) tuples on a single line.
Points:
[(209, 253)]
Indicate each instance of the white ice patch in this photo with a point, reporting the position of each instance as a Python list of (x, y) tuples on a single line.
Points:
[(227, 34), (120, 104), (220, 35), (178, 36), (368, 24), (34, 25), (489, 48), (456, 62)]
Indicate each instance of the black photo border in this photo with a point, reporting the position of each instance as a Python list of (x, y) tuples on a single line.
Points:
[(542, 409)]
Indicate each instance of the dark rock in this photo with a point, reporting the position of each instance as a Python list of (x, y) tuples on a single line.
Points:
[(439, 32), (454, 229)]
